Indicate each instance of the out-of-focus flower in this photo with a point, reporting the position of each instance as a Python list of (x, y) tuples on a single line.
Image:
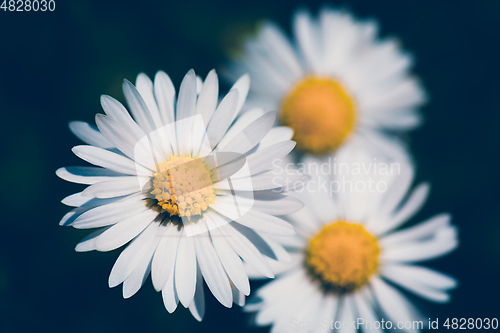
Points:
[(177, 183), (334, 84), (349, 252)]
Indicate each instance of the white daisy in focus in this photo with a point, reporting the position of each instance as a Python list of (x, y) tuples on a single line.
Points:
[(336, 83), (187, 184), (350, 256)]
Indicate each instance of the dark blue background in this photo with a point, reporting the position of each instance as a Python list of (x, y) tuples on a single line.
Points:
[(55, 65)]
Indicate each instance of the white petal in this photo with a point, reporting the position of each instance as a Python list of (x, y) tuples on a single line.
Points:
[(347, 314), (280, 302), (344, 41), (238, 296), (197, 307), (88, 243), (305, 222), (319, 200), (263, 159), (397, 120), (263, 243), (328, 311), (251, 135), (239, 124), (384, 65), (138, 107), (407, 93), (305, 312), (265, 181), (419, 231), (207, 100), (185, 271), (145, 87), (199, 84), (443, 242), (170, 298), (231, 205), (186, 103), (307, 40), (277, 205), (185, 110), (278, 267), (230, 261), (413, 285), (278, 252), (246, 250), (384, 145), (109, 160), (410, 207), (111, 213), (266, 223), (165, 96), (392, 302), (291, 280), (268, 76), (222, 118), (274, 39), (276, 135), (119, 136), (123, 232), (242, 86), (224, 172), (77, 200), (87, 175), (396, 191), (89, 134), (136, 279), (116, 111), (423, 275), (115, 188), (301, 301), (366, 313), (132, 255), (212, 270), (164, 257), (72, 215)]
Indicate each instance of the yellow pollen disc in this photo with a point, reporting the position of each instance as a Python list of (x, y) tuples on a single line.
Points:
[(342, 257), (321, 113), (183, 187)]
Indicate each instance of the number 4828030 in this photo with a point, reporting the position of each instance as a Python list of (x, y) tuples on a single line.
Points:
[(28, 5)]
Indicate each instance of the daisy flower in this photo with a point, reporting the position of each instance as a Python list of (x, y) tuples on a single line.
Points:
[(350, 257), (336, 83), (186, 182)]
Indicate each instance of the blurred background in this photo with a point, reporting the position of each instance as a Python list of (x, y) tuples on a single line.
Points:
[(55, 65)]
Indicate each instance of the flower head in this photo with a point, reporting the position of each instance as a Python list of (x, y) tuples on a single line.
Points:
[(350, 257), (334, 84), (186, 182)]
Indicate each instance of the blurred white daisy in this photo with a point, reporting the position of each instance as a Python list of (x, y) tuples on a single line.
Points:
[(334, 84), (349, 254), (187, 183)]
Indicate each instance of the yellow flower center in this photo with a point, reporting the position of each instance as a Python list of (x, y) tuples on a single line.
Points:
[(321, 113), (183, 187), (342, 257)]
